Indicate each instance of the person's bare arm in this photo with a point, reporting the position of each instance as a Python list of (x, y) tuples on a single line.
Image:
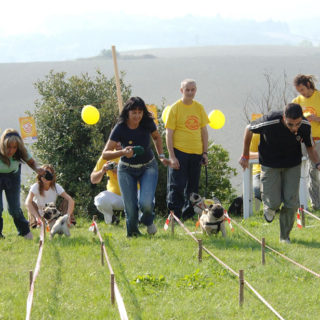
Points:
[(109, 152), (244, 159), (174, 162)]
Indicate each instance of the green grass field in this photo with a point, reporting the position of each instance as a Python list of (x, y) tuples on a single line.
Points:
[(160, 277)]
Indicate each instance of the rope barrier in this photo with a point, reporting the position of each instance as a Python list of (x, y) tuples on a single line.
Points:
[(311, 214), (230, 269), (277, 252), (118, 297), (36, 272)]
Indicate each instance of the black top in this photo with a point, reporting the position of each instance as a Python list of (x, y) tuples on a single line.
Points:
[(279, 147), (134, 137)]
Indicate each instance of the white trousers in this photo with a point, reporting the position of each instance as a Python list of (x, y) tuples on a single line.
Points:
[(106, 202)]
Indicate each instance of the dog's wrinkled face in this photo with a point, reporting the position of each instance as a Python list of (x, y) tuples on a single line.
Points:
[(216, 210), (49, 211)]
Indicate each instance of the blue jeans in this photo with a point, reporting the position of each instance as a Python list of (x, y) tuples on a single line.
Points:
[(10, 184), (128, 177), (182, 182)]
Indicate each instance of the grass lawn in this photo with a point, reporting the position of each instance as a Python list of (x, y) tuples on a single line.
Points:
[(159, 277)]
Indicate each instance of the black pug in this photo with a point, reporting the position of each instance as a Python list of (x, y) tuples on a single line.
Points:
[(236, 207)]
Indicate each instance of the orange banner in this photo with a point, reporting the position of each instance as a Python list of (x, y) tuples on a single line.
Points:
[(28, 129)]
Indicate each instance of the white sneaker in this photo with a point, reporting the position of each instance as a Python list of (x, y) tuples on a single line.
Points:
[(287, 241), (268, 214), (28, 236), (152, 229)]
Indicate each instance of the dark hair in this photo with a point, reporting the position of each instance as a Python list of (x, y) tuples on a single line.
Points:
[(293, 111), (132, 104), (305, 80)]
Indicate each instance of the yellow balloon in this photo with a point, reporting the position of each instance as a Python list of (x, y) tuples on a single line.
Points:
[(90, 114), (165, 113), (217, 119)]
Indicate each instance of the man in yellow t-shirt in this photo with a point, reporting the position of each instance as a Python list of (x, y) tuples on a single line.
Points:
[(187, 144), (309, 100), (109, 200)]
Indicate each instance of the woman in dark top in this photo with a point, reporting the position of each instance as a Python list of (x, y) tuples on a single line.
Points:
[(137, 163)]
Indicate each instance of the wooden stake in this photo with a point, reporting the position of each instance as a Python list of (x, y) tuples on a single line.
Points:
[(263, 248), (112, 287), (241, 288), (200, 250), (116, 75), (303, 219), (30, 278), (102, 255)]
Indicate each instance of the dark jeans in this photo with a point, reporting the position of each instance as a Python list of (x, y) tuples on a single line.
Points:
[(182, 182), (10, 184)]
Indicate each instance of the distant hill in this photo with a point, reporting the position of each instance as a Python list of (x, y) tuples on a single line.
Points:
[(78, 37), (226, 77)]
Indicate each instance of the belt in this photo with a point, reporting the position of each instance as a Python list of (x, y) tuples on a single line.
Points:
[(139, 165)]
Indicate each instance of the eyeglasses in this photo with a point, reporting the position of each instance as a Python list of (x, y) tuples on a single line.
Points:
[(48, 175)]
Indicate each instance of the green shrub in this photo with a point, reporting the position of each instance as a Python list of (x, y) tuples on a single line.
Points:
[(64, 140)]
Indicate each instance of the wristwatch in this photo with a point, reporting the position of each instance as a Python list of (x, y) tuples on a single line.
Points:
[(161, 156)]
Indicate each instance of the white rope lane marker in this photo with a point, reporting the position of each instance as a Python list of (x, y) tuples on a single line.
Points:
[(277, 252), (229, 269), (35, 273)]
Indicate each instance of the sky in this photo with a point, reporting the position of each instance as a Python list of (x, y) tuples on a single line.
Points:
[(19, 17)]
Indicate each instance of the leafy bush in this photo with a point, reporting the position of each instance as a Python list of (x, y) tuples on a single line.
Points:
[(64, 140)]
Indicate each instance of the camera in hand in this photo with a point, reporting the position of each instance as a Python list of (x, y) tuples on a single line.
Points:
[(111, 165), (138, 150), (48, 176)]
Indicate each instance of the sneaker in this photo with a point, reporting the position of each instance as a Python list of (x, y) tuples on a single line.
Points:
[(287, 241), (268, 214), (2, 236), (152, 229), (28, 236)]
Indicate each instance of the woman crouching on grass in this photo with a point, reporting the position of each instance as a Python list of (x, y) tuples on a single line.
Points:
[(137, 163), (12, 153), (44, 191)]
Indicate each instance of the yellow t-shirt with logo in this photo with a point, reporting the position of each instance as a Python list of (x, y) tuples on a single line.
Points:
[(187, 121), (255, 141), (113, 185), (311, 105)]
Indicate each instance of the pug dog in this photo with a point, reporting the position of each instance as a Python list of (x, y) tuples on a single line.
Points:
[(200, 203), (57, 222), (212, 220)]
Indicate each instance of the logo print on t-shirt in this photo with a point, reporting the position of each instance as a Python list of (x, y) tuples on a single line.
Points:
[(307, 111), (192, 123)]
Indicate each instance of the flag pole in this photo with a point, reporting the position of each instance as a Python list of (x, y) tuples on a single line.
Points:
[(116, 74)]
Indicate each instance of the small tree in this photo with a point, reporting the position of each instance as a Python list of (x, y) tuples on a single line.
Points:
[(64, 140), (276, 95)]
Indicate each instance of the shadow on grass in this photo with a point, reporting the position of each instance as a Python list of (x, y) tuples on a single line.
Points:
[(135, 303), (311, 243), (74, 241), (53, 303)]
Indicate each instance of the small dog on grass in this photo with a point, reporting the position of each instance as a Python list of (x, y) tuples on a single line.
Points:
[(57, 222), (200, 203), (212, 220)]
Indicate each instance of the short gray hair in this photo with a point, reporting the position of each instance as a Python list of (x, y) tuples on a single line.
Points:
[(188, 81)]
